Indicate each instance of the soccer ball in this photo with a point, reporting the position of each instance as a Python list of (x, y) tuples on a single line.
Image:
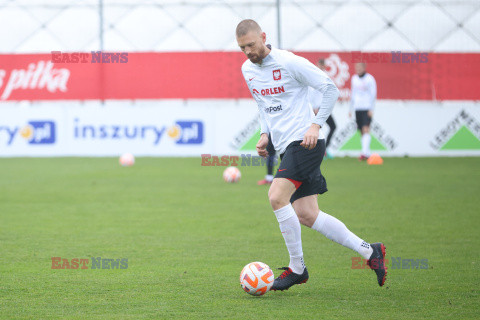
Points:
[(231, 174), (126, 160), (256, 278)]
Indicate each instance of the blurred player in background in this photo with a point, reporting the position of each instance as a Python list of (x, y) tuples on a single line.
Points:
[(364, 93), (272, 156), (316, 100), (278, 81)]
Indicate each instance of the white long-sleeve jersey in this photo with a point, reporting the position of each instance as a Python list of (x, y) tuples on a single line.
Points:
[(364, 92), (315, 98), (279, 85)]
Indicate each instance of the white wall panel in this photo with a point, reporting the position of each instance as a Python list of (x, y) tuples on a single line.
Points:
[(144, 25)]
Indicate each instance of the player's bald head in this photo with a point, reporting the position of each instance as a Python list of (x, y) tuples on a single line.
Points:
[(251, 40), (247, 25)]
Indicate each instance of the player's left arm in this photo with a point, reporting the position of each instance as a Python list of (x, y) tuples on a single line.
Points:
[(309, 75), (353, 93)]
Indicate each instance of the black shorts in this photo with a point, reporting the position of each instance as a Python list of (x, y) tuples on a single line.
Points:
[(363, 119), (303, 165)]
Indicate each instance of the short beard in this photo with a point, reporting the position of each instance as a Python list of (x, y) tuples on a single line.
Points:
[(261, 56)]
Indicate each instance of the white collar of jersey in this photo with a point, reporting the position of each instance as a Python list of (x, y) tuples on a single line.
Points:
[(267, 59)]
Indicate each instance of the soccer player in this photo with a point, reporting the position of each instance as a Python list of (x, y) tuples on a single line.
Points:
[(316, 100), (364, 93), (278, 80)]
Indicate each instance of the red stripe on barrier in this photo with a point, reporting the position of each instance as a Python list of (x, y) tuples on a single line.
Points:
[(217, 75)]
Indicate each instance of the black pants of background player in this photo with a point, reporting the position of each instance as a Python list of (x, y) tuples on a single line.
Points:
[(271, 156), (332, 126), (363, 119)]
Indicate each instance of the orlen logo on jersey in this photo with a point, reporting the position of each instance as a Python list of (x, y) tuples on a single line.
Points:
[(187, 132), (269, 91), (273, 109), (35, 132)]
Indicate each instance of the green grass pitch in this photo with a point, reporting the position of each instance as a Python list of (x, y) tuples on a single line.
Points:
[(187, 235)]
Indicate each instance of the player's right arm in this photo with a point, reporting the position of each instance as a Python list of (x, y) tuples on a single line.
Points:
[(263, 141), (262, 145), (264, 130)]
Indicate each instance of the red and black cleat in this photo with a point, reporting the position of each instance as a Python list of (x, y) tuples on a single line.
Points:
[(288, 279), (362, 158), (377, 262)]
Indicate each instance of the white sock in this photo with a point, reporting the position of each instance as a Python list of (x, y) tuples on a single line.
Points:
[(269, 177), (291, 231), (366, 138), (335, 230)]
